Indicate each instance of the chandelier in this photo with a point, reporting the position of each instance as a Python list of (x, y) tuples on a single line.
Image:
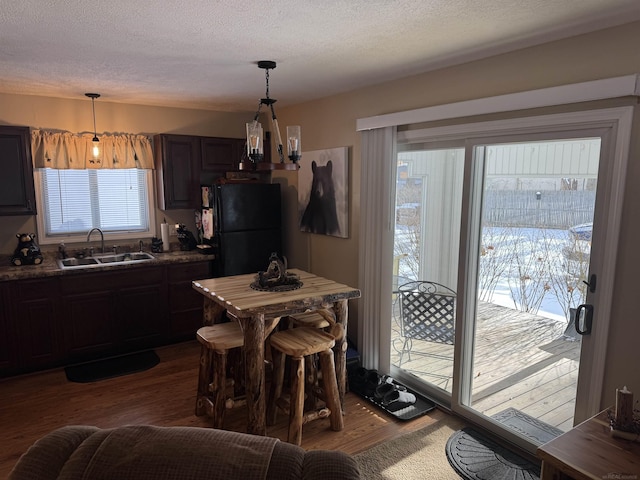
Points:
[(255, 133)]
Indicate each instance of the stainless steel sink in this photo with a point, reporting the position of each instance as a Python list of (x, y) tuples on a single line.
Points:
[(125, 257), (105, 260), (77, 262)]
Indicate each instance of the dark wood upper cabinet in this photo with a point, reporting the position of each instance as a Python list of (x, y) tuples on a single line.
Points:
[(178, 171), (17, 194), (184, 162), (221, 154)]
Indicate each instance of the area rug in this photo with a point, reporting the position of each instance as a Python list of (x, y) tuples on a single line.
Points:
[(112, 367), (476, 457), (414, 456), (538, 431)]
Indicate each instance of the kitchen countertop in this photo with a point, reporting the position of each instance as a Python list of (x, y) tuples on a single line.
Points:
[(50, 268)]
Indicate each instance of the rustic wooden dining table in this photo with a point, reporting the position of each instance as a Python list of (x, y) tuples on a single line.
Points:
[(259, 312)]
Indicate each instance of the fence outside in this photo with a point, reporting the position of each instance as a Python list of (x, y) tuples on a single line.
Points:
[(550, 209)]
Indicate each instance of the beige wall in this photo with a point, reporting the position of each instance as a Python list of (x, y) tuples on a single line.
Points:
[(331, 122)]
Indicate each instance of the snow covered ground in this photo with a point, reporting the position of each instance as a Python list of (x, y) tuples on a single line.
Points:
[(510, 254)]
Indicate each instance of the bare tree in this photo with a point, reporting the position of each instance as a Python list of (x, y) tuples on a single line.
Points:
[(492, 263), (568, 274), (529, 279)]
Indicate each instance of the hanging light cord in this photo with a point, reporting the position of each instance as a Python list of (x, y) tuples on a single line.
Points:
[(93, 97), (274, 120), (95, 131)]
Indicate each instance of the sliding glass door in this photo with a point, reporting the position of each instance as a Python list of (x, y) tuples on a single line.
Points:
[(529, 251), (426, 248), (512, 231)]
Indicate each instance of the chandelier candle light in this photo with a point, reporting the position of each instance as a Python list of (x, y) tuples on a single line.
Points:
[(255, 146)]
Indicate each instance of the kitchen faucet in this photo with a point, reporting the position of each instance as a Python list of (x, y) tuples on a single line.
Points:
[(101, 237)]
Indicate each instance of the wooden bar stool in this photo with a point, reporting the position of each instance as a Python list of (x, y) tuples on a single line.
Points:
[(216, 342), (324, 319), (299, 343)]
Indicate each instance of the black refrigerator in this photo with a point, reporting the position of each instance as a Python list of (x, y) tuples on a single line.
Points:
[(247, 226)]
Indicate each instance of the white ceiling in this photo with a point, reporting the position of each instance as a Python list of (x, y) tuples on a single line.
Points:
[(202, 53)]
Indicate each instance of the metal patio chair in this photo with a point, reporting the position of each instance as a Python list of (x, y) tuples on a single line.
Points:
[(427, 312)]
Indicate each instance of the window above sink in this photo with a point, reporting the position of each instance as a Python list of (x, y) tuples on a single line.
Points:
[(122, 207)]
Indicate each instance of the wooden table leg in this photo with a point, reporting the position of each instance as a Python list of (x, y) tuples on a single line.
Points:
[(253, 329), (204, 379), (213, 313), (340, 308)]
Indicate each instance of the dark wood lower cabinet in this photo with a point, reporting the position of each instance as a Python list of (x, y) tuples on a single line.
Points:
[(63, 320), (35, 315), (87, 324), (109, 313), (142, 316), (8, 358), (185, 304)]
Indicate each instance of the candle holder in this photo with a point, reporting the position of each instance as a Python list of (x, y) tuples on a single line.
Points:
[(294, 142), (624, 420)]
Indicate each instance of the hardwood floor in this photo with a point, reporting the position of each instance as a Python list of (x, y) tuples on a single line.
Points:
[(33, 405)]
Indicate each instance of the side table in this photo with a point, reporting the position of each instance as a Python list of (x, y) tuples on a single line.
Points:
[(589, 452)]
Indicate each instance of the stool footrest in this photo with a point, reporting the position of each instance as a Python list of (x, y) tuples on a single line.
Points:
[(235, 402), (207, 405), (315, 415)]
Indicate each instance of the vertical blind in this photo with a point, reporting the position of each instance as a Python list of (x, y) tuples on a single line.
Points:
[(376, 242)]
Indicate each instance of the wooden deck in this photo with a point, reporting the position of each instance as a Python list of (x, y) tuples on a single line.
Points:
[(521, 360)]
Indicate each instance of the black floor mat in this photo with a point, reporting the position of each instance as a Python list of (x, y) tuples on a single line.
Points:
[(112, 367), (476, 457), (537, 430), (401, 412)]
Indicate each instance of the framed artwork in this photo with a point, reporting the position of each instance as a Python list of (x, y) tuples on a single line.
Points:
[(323, 192)]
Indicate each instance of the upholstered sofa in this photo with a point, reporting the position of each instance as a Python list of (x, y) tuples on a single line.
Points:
[(174, 453)]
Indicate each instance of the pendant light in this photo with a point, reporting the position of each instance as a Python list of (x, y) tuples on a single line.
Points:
[(255, 132), (95, 140)]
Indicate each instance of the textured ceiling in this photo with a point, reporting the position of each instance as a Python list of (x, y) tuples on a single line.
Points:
[(202, 53)]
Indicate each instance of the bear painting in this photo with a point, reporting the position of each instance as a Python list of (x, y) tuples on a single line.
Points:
[(323, 203), (321, 216)]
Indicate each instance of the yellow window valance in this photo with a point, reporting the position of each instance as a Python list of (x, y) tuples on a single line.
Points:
[(66, 150)]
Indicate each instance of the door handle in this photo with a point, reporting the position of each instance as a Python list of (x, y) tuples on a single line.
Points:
[(584, 327), (591, 283)]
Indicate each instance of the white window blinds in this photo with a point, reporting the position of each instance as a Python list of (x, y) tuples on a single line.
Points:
[(77, 200)]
